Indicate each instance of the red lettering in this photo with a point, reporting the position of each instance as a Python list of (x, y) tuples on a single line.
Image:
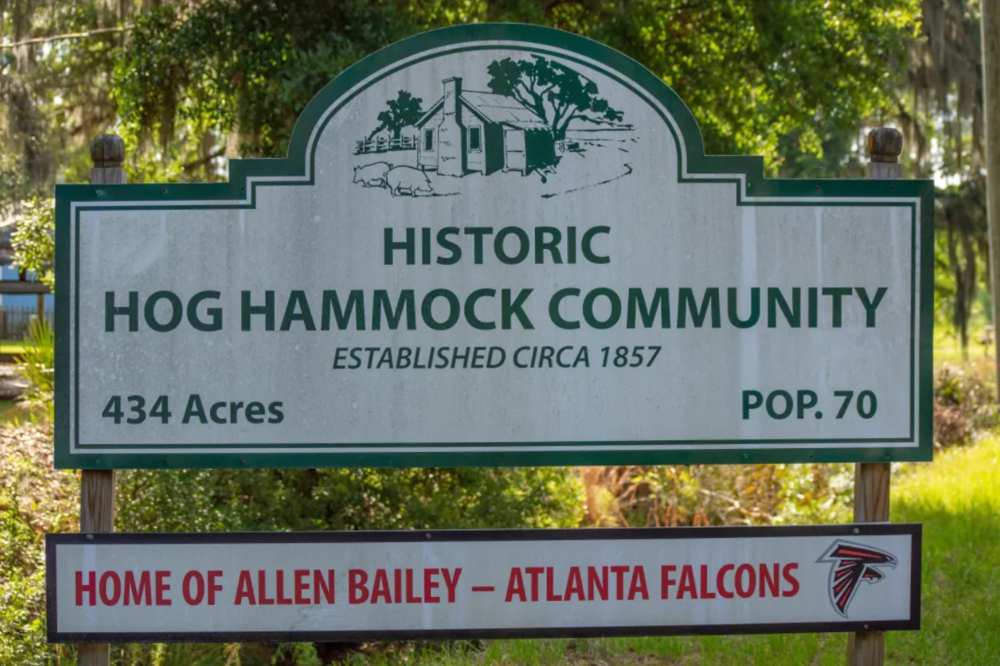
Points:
[(116, 587), (687, 583), (550, 593), (162, 587), (787, 573), (619, 572), (720, 581), (745, 591), (598, 584), (665, 580), (244, 590), (199, 595), (769, 582), (357, 586), (321, 586), (534, 572), (451, 583), (262, 599), (380, 588), (410, 598), (301, 586), (134, 593), (574, 585), (397, 580), (282, 599), (515, 585), (430, 585), (638, 585), (90, 587), (705, 594), (213, 585)]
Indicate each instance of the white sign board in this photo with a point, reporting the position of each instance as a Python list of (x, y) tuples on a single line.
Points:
[(353, 586), (447, 270)]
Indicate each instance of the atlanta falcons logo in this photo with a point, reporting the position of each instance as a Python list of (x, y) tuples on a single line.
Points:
[(853, 563)]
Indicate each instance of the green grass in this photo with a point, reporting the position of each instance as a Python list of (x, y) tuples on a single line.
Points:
[(957, 498)]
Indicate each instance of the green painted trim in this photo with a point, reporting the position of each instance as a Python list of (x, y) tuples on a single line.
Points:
[(247, 175)]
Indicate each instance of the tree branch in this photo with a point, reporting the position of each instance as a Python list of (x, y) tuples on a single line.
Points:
[(204, 160), (68, 35)]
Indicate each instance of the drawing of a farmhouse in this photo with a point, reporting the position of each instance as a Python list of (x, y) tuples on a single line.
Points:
[(479, 132), (540, 117)]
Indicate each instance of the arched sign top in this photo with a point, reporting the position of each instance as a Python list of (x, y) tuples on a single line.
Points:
[(494, 245), (561, 55)]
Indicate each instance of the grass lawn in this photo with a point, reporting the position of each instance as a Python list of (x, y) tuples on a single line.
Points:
[(957, 498)]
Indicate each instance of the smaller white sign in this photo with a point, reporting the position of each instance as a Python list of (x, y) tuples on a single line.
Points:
[(468, 584)]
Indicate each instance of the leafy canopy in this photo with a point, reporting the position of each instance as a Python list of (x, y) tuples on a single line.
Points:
[(237, 75)]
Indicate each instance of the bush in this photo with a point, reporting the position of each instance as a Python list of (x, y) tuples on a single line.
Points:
[(346, 499), (34, 499), (701, 495), (964, 403), (36, 364)]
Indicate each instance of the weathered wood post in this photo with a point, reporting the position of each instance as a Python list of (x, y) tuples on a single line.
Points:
[(97, 488), (871, 480)]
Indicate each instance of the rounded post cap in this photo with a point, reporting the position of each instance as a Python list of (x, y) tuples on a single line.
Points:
[(107, 150), (884, 144)]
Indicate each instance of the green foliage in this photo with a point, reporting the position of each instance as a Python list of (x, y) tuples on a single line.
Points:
[(964, 404), (36, 364), (249, 68), (34, 239), (701, 495), (34, 499), (22, 585), (753, 71), (961, 252), (300, 654), (347, 499)]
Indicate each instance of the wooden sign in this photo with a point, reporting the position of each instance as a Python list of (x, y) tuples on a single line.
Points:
[(494, 245), (481, 584)]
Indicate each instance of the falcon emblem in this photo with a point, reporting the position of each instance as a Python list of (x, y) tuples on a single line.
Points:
[(853, 564)]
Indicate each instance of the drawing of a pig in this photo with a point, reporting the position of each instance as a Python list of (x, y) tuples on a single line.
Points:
[(372, 175), (407, 180)]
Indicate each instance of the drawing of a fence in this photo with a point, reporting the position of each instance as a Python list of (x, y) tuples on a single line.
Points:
[(384, 145)]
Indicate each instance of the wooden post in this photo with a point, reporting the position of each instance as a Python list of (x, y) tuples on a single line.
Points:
[(871, 480), (97, 488), (991, 117)]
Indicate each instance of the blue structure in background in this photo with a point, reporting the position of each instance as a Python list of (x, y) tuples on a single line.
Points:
[(9, 272), (16, 310)]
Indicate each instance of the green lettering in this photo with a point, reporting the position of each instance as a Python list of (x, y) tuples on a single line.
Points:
[(688, 304)]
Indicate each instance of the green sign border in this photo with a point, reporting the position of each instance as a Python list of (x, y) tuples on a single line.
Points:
[(699, 167)]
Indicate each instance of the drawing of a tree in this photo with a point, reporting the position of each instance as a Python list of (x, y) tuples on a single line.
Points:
[(404, 110), (552, 91)]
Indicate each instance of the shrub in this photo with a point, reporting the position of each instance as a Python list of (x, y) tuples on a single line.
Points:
[(346, 499), (36, 364), (964, 403), (716, 494), (34, 499)]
